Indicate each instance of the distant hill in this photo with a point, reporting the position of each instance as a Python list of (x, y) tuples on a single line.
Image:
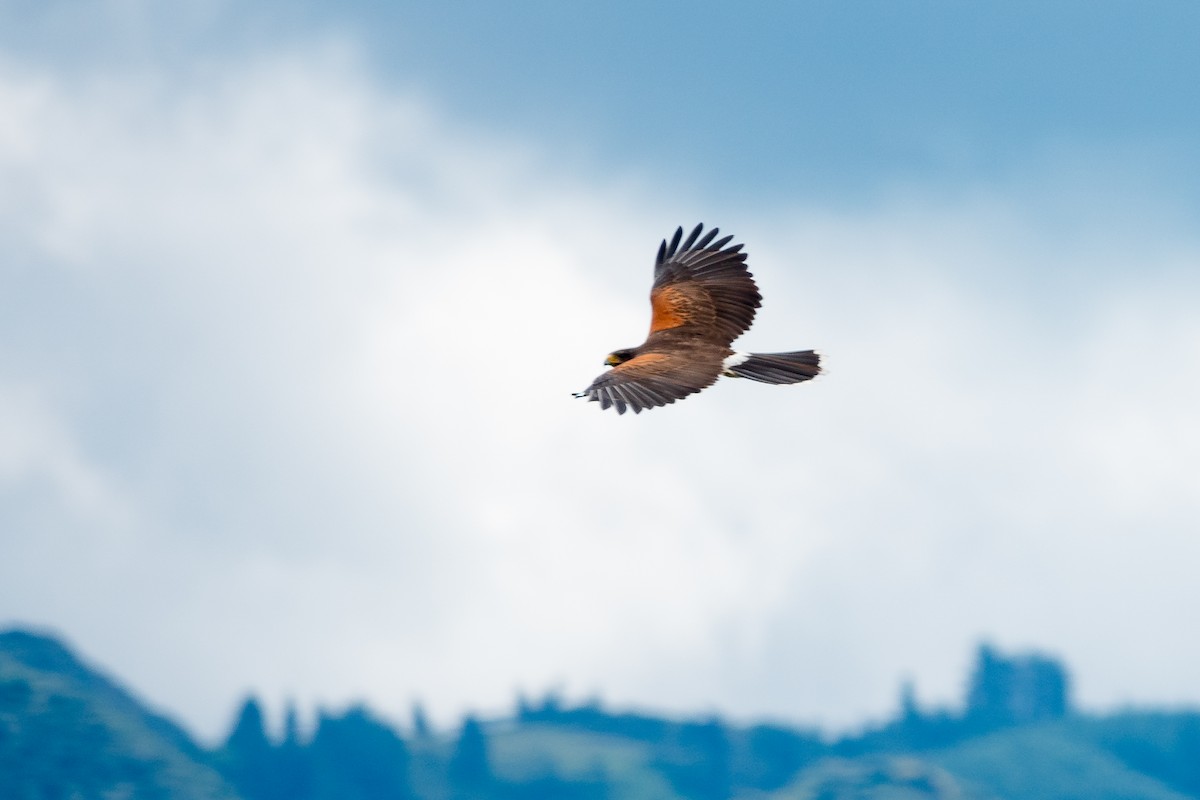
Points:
[(68, 732), (1053, 761), (1060, 760)]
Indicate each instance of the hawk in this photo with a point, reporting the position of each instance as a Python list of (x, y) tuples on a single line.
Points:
[(702, 299)]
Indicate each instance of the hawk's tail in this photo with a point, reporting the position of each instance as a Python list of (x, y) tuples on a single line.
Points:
[(777, 368)]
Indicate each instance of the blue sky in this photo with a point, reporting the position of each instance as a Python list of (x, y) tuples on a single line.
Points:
[(816, 100), (828, 101), (295, 296)]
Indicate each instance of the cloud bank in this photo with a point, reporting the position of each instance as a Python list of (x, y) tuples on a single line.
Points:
[(285, 363)]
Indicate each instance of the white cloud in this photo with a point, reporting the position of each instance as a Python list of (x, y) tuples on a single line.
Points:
[(316, 343), (38, 457)]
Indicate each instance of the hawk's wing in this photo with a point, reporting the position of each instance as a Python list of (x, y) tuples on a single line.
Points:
[(652, 379), (702, 288)]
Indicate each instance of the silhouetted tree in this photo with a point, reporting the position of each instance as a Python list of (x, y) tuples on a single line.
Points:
[(420, 723), (909, 711), (469, 770), (291, 725), (293, 769), (249, 734), (355, 757), (248, 758)]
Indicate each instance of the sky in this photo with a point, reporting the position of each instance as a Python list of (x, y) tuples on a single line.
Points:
[(293, 297)]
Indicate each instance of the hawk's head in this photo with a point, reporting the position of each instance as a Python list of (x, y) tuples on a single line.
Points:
[(619, 357)]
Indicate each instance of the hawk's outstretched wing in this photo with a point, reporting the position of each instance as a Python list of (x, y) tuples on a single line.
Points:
[(702, 289), (654, 379), (702, 299)]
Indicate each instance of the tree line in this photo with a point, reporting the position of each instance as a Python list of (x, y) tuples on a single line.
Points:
[(356, 756)]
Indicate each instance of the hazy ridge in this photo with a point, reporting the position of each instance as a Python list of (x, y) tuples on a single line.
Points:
[(67, 731)]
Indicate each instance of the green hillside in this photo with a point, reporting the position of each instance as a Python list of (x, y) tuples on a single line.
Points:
[(622, 765), (880, 777), (67, 732), (1049, 762), (1063, 760)]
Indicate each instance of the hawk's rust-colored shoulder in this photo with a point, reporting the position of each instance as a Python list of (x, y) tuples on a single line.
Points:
[(703, 287), (678, 304)]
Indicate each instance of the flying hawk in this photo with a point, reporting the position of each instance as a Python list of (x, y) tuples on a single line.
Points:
[(702, 299)]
